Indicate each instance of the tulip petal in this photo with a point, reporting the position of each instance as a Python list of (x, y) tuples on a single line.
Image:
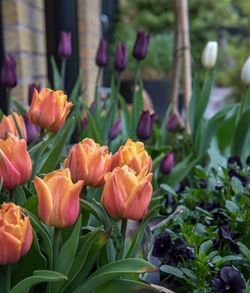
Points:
[(70, 205), (137, 204), (27, 236), (63, 172), (45, 203), (10, 251)]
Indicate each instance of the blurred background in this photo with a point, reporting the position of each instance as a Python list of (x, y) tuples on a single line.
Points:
[(29, 29)]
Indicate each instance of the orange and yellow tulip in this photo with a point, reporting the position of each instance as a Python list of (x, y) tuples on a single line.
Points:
[(8, 125), (15, 162), (58, 198), (88, 161), (125, 195), (49, 109), (15, 233), (134, 155)]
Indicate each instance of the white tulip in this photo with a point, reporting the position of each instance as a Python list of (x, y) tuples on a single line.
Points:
[(245, 72), (209, 55)]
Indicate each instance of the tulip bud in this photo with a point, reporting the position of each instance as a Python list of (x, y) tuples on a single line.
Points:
[(145, 125), (88, 161), (172, 122), (84, 123), (58, 198), (121, 57), (125, 195), (141, 45), (245, 72), (49, 109), (15, 162), (8, 125), (116, 129), (209, 55), (102, 54), (8, 73), (33, 131), (32, 86), (64, 47), (167, 164), (15, 233), (134, 155)]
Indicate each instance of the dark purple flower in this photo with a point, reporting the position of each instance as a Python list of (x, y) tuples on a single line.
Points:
[(115, 129), (145, 125), (32, 86), (64, 47), (172, 122), (161, 245), (182, 251), (121, 57), (228, 280), (141, 45), (8, 73), (248, 161), (33, 131), (234, 162), (102, 54), (203, 183), (167, 164), (243, 179), (210, 206), (227, 236)]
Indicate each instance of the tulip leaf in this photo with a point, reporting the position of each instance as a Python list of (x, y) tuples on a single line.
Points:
[(127, 286), (94, 131), (113, 271), (76, 89), (57, 80), (38, 226), (126, 117), (39, 276), (137, 241), (172, 271), (137, 105), (67, 254), (53, 156)]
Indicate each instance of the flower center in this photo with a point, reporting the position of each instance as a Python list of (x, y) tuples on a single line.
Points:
[(227, 287)]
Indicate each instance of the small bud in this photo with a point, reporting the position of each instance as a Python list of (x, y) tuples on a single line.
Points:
[(115, 129), (121, 57), (167, 164), (84, 123), (64, 47), (145, 125), (245, 72), (209, 55), (8, 73), (102, 54), (172, 122), (141, 45)]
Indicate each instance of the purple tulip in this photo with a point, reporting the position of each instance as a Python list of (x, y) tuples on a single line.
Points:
[(32, 86), (102, 54), (145, 125), (121, 57), (8, 73), (64, 47), (115, 129), (84, 123), (167, 164), (172, 122), (141, 45), (33, 131)]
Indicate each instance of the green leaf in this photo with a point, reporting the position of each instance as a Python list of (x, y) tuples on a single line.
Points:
[(38, 226), (57, 80), (205, 246), (232, 207), (126, 117), (137, 106), (219, 261), (94, 131), (244, 250), (127, 286), (67, 254), (167, 188), (38, 277), (113, 271), (137, 241), (54, 155), (172, 271), (76, 89)]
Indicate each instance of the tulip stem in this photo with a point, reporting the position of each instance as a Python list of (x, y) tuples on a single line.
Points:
[(17, 126), (12, 195), (8, 100), (56, 242), (7, 277), (63, 71), (97, 96), (123, 232)]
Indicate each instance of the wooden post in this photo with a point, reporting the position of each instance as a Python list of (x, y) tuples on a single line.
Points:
[(184, 22)]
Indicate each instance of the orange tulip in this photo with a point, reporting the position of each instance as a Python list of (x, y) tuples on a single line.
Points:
[(15, 162), (58, 198), (49, 109), (8, 125), (134, 155), (125, 195), (88, 161), (15, 233)]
